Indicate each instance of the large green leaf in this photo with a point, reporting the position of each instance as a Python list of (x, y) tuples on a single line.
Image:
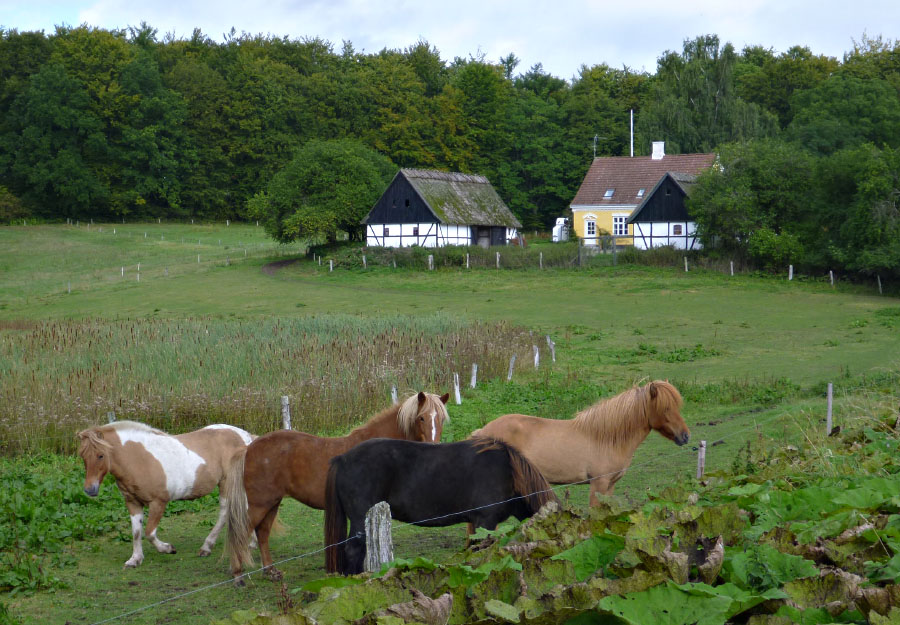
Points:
[(669, 604), (761, 567), (592, 555)]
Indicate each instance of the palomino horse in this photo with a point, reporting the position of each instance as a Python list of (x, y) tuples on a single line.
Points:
[(153, 468), (481, 481), (296, 464), (599, 443)]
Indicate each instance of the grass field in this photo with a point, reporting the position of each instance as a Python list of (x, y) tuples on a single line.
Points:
[(752, 356)]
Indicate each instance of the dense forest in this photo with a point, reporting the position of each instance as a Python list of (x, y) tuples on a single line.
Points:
[(128, 125)]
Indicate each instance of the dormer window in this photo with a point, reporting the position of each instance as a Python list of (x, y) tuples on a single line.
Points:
[(608, 194), (640, 193)]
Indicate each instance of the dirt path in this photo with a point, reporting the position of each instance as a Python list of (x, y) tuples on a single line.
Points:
[(272, 268)]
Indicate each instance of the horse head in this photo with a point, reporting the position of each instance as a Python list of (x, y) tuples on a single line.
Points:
[(96, 455), (665, 412), (424, 415)]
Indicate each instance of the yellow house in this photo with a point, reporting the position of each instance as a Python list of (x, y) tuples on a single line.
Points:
[(615, 185)]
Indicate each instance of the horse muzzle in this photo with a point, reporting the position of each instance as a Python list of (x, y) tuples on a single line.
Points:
[(92, 490), (682, 439)]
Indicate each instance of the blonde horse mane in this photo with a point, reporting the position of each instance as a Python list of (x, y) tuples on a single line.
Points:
[(409, 409), (92, 438), (617, 419)]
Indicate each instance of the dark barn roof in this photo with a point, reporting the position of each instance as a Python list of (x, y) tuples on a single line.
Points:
[(627, 175), (666, 201), (449, 197)]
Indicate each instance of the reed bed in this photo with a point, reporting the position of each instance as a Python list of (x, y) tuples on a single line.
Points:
[(59, 377)]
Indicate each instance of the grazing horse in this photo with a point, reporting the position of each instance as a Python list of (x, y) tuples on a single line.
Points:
[(479, 481), (599, 443), (293, 463), (153, 468)]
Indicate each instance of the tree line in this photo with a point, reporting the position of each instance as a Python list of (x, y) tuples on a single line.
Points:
[(125, 124)]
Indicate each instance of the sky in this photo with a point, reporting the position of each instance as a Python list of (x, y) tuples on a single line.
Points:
[(562, 35)]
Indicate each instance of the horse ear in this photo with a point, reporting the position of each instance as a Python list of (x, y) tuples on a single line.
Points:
[(445, 397), (653, 390), (421, 397)]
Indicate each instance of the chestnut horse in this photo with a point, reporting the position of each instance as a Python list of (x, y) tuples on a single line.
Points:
[(481, 481), (599, 443), (153, 468), (296, 464)]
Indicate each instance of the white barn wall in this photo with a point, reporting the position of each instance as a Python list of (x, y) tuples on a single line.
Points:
[(659, 233), (429, 235)]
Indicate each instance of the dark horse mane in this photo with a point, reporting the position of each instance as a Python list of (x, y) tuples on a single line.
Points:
[(528, 482)]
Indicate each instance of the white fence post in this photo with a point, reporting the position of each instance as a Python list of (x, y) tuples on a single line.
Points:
[(541, 260), (467, 261), (110, 417), (456, 388), (330, 265), (790, 272), (685, 263), (498, 260), (537, 356), (285, 412), (828, 415), (878, 276), (512, 362), (552, 347), (379, 547), (701, 459), (364, 261), (394, 394), (430, 262), (831, 277), (732, 267), (474, 375)]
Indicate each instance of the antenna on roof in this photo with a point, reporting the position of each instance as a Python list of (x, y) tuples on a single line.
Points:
[(632, 132), (595, 145)]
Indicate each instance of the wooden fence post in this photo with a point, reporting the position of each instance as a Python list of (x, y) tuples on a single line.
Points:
[(537, 356), (685, 263), (285, 412), (830, 395), (431, 262), (541, 260), (701, 459), (732, 267), (831, 277), (552, 347), (330, 265), (878, 276), (790, 272), (379, 547), (110, 417), (364, 261), (394, 394), (512, 362), (474, 375), (456, 388), (467, 261), (498, 260)]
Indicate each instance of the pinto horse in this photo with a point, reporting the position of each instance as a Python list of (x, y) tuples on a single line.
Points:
[(153, 468), (293, 463), (599, 443), (480, 481)]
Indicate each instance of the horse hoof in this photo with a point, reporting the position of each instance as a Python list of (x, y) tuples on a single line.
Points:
[(204, 552), (131, 565), (239, 582), (274, 574)]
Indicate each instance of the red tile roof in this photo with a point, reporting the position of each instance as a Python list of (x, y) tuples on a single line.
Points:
[(627, 175)]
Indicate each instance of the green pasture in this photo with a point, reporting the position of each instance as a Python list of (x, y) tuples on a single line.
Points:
[(751, 354)]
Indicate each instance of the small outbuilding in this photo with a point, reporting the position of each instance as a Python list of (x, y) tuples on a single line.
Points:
[(662, 218), (434, 208)]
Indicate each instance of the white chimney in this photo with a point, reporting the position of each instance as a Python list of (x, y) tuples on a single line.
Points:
[(659, 150)]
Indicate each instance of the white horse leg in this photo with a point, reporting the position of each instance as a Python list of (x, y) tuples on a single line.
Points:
[(206, 549), (156, 511), (137, 552)]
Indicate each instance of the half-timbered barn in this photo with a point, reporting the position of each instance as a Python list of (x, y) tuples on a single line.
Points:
[(662, 218), (434, 208)]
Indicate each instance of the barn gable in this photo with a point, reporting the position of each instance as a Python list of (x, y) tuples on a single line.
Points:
[(401, 203), (666, 201)]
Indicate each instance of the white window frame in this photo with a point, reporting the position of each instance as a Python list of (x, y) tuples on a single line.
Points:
[(620, 225), (590, 228), (609, 193)]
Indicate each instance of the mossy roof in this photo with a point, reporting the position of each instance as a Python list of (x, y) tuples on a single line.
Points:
[(457, 198)]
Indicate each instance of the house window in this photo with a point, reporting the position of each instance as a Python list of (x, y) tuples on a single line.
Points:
[(387, 231), (608, 194), (640, 193), (676, 229), (620, 228), (415, 231), (590, 228)]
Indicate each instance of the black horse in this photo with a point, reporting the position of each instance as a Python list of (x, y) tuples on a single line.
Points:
[(480, 481)]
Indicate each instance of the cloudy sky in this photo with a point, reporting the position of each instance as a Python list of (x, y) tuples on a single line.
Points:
[(560, 34)]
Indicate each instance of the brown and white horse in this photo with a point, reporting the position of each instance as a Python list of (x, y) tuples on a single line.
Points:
[(291, 463), (153, 468), (599, 443)]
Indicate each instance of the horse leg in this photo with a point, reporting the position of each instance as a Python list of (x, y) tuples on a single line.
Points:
[(206, 549), (153, 518), (355, 548), (136, 513), (601, 486), (263, 529)]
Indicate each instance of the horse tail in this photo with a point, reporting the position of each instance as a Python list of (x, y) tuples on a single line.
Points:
[(528, 481), (238, 543), (335, 524)]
